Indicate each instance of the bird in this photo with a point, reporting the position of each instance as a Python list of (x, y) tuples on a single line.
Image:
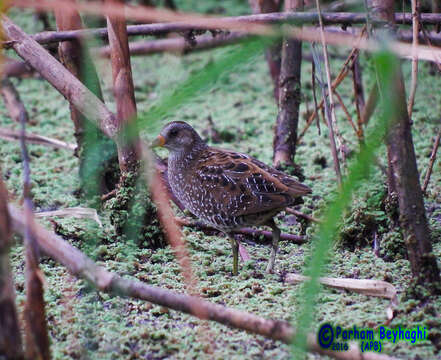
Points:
[(226, 189)]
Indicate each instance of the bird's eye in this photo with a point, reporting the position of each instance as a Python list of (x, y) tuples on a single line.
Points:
[(173, 133)]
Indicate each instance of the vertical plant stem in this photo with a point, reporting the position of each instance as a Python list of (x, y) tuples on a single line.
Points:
[(403, 178), (432, 160), (337, 81), (371, 104), (327, 115), (273, 51), (123, 89), (314, 96), (358, 171), (415, 32), (37, 339), (359, 96), (10, 337), (285, 136), (332, 125)]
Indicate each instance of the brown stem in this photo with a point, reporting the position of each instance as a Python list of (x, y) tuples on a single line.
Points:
[(404, 173), (415, 31), (273, 52), (370, 105), (36, 334), (345, 110), (337, 81), (82, 266), (432, 161), (72, 55), (359, 96), (10, 338), (123, 90), (285, 135)]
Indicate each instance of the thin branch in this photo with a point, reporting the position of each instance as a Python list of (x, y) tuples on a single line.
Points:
[(432, 160), (82, 266), (302, 215), (37, 340), (314, 97), (296, 239), (332, 125), (337, 81), (345, 110), (12, 135), (415, 30), (179, 45), (123, 89), (328, 116), (371, 104), (175, 22), (357, 83), (10, 337)]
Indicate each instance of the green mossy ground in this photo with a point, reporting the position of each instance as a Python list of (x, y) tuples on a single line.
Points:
[(85, 324)]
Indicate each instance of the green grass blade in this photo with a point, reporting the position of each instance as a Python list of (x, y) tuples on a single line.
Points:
[(358, 172)]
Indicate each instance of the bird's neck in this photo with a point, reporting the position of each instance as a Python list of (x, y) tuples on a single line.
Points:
[(185, 159)]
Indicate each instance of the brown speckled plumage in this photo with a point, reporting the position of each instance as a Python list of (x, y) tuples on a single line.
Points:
[(226, 189)]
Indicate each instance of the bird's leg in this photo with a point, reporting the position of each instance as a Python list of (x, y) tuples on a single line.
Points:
[(275, 245), (235, 247)]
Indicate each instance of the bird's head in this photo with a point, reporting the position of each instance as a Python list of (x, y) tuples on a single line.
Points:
[(179, 137)]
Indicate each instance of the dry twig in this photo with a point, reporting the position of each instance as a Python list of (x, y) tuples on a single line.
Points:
[(328, 116), (432, 160), (37, 339), (415, 31), (296, 239), (10, 337), (12, 135)]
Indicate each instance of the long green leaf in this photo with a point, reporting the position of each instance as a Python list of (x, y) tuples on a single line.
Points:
[(359, 171)]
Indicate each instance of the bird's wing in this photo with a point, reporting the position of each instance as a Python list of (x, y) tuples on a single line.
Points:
[(243, 185)]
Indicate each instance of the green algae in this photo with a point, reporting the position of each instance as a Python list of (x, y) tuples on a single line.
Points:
[(89, 325)]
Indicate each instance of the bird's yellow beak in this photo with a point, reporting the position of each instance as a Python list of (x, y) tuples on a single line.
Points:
[(158, 142)]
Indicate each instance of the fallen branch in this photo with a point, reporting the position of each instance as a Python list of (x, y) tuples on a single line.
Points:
[(296, 239), (82, 266), (12, 135), (78, 212), (367, 287)]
